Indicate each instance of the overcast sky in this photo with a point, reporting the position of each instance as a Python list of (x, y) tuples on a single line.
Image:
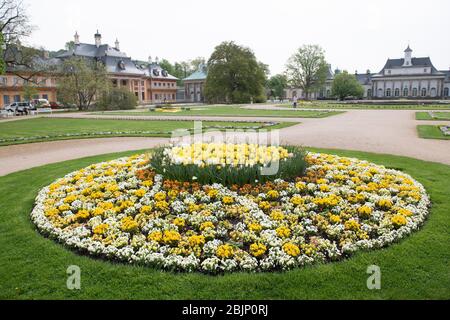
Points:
[(356, 34)]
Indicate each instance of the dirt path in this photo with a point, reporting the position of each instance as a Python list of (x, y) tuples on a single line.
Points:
[(380, 131)]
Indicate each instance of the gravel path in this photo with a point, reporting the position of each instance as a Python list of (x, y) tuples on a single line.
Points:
[(380, 131)]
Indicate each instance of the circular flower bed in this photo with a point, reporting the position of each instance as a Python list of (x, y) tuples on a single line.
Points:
[(123, 210)]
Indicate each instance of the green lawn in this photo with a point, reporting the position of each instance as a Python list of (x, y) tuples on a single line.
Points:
[(232, 111), (47, 129), (434, 116), (33, 267), (431, 132), (331, 106)]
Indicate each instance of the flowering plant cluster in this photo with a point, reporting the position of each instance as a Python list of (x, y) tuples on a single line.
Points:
[(228, 163), (123, 210)]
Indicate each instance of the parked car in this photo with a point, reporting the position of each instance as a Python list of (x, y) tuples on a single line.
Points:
[(41, 103), (55, 105), (20, 107)]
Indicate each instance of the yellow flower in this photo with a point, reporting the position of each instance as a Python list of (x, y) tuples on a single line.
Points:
[(145, 209), (155, 236), (171, 237), (264, 205), (196, 240), (335, 219), (364, 211), (172, 193), (324, 188), (101, 229), (147, 183), (106, 205), (283, 232), (227, 200), (352, 225), (225, 251), (206, 225), (277, 215), (179, 222), (160, 196), (300, 186), (162, 205), (256, 227), (98, 212), (213, 193), (140, 193), (273, 194), (297, 200), (82, 214), (398, 220), (51, 212), (128, 224), (291, 249), (385, 203), (70, 199), (257, 249), (404, 212)]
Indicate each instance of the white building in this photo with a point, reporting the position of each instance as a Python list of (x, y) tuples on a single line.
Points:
[(405, 78)]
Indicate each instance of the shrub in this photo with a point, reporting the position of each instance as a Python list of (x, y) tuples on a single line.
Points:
[(117, 99)]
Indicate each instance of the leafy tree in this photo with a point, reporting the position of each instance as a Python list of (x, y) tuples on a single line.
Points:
[(196, 63), (117, 99), (276, 85), (29, 91), (2, 60), (234, 75), (307, 69), (82, 81), (346, 85)]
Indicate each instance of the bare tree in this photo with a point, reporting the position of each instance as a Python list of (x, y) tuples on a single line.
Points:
[(14, 22)]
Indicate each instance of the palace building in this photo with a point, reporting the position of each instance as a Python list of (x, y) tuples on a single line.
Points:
[(404, 78), (194, 85), (148, 81)]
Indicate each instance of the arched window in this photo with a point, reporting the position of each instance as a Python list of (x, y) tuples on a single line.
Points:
[(388, 92), (405, 92), (423, 92), (397, 92), (446, 92), (414, 92), (369, 93)]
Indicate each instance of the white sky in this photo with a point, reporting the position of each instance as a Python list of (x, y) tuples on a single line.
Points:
[(356, 34)]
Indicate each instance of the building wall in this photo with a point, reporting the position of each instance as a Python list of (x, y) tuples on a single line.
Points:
[(194, 91), (161, 90), (12, 88)]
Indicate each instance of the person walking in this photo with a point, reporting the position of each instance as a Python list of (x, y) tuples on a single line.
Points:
[(294, 100)]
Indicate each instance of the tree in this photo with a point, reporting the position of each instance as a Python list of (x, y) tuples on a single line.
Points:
[(14, 25), (276, 85), (29, 91), (346, 85), (307, 69), (234, 75), (82, 81)]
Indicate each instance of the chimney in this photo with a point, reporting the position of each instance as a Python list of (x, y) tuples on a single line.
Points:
[(356, 72), (408, 56), (368, 71), (98, 39), (150, 61), (46, 54), (117, 44), (157, 60), (76, 38)]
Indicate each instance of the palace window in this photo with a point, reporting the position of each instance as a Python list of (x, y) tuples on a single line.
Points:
[(446, 92), (423, 92), (45, 96), (388, 92), (405, 92), (6, 99), (397, 92), (414, 92), (17, 98), (3, 81)]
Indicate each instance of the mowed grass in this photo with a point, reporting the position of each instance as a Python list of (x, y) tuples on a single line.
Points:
[(47, 129), (232, 111), (332, 106), (34, 267), (431, 132), (440, 115)]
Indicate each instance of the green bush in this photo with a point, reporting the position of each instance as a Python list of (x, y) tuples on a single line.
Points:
[(117, 99), (228, 175)]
